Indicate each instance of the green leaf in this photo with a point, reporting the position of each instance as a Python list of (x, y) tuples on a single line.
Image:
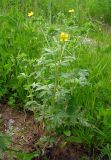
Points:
[(4, 141), (27, 156), (74, 139), (67, 133)]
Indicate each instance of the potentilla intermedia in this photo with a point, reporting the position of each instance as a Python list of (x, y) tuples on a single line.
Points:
[(30, 14), (71, 11), (64, 37)]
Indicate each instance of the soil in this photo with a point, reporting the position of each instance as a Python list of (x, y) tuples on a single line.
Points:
[(22, 128), (25, 133)]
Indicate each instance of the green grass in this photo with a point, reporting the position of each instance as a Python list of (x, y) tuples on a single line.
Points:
[(66, 85)]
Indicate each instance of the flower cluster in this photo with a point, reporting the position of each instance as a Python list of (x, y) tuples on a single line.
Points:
[(63, 36)]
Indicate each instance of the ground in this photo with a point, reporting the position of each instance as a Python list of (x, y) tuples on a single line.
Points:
[(25, 132)]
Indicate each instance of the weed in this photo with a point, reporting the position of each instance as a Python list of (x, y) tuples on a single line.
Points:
[(55, 61)]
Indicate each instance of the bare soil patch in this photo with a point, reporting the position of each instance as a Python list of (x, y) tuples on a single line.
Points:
[(25, 132), (22, 128)]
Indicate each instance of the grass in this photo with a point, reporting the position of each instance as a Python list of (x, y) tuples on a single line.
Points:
[(65, 84)]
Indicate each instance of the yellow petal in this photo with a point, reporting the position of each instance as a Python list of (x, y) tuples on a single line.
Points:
[(71, 11), (63, 37), (30, 14)]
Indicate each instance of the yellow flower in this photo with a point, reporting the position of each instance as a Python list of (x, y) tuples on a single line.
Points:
[(71, 11), (64, 37), (30, 14)]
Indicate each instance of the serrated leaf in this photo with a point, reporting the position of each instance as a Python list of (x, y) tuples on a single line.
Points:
[(67, 133), (74, 139)]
